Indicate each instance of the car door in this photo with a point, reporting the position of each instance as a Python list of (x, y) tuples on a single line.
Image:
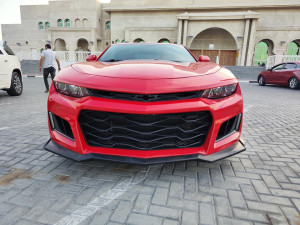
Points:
[(275, 74), (3, 69), (289, 69)]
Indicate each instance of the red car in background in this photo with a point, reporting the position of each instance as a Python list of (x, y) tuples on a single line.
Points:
[(145, 103), (285, 74)]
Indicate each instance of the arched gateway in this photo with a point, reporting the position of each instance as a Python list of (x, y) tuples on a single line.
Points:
[(60, 45), (82, 45), (215, 42)]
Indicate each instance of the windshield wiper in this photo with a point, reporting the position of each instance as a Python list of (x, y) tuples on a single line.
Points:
[(176, 61), (169, 60), (112, 60)]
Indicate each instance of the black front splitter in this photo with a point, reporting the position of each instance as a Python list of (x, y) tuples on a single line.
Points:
[(236, 148)]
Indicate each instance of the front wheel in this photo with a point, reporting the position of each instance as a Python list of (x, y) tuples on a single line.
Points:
[(261, 81), (293, 83), (16, 86)]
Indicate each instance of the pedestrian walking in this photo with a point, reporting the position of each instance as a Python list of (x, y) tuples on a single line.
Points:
[(47, 61)]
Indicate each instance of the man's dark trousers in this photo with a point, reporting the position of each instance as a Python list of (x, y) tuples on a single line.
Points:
[(48, 70)]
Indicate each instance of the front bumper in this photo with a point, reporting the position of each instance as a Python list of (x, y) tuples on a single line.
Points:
[(77, 148), (236, 148)]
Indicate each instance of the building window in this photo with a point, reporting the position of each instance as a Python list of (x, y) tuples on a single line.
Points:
[(41, 25), (60, 23), (77, 23), (139, 40), (47, 24), (7, 49), (164, 40), (85, 22), (67, 23), (108, 26)]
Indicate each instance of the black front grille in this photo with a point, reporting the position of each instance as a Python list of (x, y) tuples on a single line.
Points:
[(146, 97), (145, 132)]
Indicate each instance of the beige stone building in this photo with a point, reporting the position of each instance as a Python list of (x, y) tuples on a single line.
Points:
[(235, 32), (67, 25)]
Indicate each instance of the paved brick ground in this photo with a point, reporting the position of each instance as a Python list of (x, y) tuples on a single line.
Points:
[(259, 186)]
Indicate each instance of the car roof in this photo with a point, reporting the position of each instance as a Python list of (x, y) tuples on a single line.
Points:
[(297, 62)]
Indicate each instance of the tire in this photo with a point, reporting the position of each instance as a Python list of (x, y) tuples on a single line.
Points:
[(261, 81), (293, 83), (16, 86)]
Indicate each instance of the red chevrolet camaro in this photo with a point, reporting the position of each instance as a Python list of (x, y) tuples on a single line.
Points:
[(285, 74), (145, 103)]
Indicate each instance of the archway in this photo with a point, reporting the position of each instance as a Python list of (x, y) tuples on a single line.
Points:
[(293, 48), (82, 45), (164, 40), (139, 40), (263, 49), (215, 42), (60, 45)]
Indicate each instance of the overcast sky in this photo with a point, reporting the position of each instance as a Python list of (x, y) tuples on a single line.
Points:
[(10, 10)]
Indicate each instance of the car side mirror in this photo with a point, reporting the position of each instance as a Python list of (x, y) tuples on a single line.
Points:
[(91, 58), (270, 69), (204, 58)]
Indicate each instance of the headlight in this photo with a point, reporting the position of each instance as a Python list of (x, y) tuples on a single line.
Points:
[(220, 92), (71, 90)]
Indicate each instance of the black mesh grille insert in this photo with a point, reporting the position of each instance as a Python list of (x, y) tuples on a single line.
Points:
[(229, 127), (145, 132), (145, 97), (62, 126)]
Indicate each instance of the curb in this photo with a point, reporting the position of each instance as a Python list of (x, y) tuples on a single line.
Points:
[(32, 76)]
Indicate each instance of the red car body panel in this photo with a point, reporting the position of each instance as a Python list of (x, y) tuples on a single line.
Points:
[(145, 77), (141, 85)]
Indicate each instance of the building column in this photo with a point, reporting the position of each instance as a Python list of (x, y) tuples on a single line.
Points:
[(185, 27), (244, 49), (93, 39), (251, 42), (179, 34)]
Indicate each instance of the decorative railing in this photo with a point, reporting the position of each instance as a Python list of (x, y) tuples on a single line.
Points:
[(27, 55), (276, 59), (63, 56), (74, 56)]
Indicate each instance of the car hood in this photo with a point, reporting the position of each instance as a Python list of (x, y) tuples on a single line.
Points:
[(146, 69), (146, 77)]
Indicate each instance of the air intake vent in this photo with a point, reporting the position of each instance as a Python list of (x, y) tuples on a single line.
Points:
[(229, 127), (61, 126)]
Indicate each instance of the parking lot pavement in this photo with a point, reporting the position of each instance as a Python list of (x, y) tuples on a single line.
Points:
[(258, 186)]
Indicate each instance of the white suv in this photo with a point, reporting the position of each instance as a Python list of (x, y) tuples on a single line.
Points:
[(10, 71)]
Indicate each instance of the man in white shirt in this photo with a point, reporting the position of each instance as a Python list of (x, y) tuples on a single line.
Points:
[(47, 61)]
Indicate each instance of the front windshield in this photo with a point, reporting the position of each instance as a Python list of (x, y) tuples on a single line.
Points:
[(120, 52), (7, 49)]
